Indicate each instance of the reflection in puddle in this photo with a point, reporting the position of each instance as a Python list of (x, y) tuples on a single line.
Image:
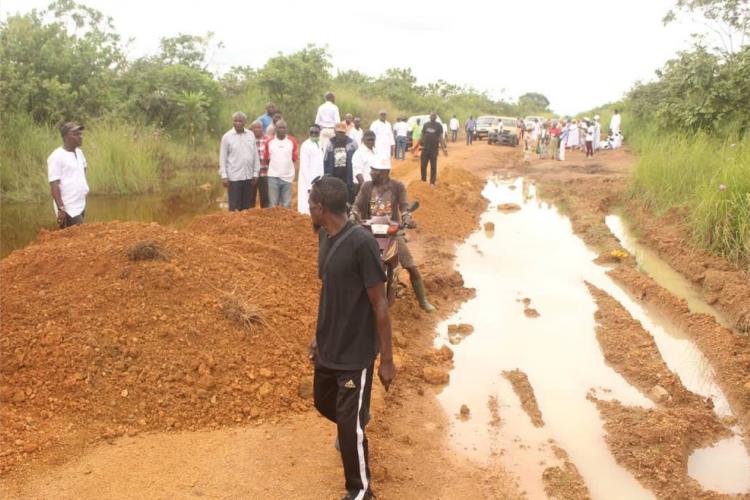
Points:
[(724, 467), (650, 263), (533, 253)]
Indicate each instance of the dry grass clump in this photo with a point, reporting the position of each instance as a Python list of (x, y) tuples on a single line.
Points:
[(242, 311), (146, 250)]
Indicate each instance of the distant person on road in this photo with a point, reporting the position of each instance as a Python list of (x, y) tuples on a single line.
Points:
[(454, 125), (338, 157), (327, 118), (590, 129), (470, 126), (416, 136), (386, 196), (261, 186), (281, 153), (363, 157), (267, 118), (597, 132), (384, 141), (310, 167), (66, 173), (432, 138), (615, 122), (401, 131), (239, 164), (554, 140), (356, 131), (353, 327)]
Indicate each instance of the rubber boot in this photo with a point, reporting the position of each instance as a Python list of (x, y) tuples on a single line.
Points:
[(421, 294)]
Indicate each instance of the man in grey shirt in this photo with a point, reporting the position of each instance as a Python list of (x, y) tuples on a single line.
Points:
[(239, 163)]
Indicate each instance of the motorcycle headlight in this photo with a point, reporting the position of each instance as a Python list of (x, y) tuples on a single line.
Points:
[(380, 228)]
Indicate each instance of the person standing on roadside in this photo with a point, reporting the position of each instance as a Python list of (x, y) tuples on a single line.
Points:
[(590, 129), (356, 131), (327, 118), (310, 167), (261, 184), (432, 138), (470, 127), (239, 165), (363, 157), (597, 132), (267, 118), (615, 122), (416, 137), (401, 131), (338, 157), (454, 125), (281, 153), (384, 140), (66, 173), (353, 327)]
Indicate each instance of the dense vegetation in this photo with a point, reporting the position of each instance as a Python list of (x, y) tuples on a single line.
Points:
[(155, 121)]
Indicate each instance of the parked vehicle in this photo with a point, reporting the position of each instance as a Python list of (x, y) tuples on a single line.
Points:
[(504, 132), (385, 231), (484, 123)]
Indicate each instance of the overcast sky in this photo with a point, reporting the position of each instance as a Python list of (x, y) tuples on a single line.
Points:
[(579, 54)]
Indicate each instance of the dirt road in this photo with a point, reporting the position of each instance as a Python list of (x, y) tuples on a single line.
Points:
[(284, 450)]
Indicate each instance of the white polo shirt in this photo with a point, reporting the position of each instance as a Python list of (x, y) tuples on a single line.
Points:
[(69, 168), (361, 162), (328, 115), (383, 137), (281, 155)]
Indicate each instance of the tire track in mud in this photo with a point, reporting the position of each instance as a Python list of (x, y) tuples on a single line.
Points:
[(654, 444), (728, 352)]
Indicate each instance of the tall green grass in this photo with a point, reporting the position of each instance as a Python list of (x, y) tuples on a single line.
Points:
[(122, 159), (708, 176)]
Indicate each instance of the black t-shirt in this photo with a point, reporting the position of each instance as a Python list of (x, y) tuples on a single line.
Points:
[(346, 334), (431, 134)]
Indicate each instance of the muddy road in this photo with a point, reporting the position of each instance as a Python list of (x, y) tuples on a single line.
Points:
[(588, 370)]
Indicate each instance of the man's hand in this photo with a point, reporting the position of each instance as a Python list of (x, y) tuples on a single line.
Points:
[(61, 217), (386, 372), (225, 183), (311, 349)]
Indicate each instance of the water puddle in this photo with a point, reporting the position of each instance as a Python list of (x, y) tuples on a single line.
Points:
[(532, 253), (651, 264)]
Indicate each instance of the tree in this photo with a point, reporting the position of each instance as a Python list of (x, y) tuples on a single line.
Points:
[(533, 102), (729, 19), (192, 115), (188, 50), (296, 83)]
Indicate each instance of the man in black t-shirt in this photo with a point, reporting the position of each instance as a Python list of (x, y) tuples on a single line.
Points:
[(338, 157), (353, 326), (432, 138)]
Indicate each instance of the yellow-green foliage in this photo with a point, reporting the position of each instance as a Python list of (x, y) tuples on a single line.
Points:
[(708, 176)]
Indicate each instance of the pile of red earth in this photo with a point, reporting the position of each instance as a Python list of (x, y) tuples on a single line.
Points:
[(118, 328)]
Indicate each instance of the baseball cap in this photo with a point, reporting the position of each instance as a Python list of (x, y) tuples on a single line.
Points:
[(68, 127), (339, 127), (380, 163)]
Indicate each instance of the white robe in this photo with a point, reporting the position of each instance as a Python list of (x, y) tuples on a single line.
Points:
[(310, 167), (597, 135), (614, 124), (383, 138), (574, 137)]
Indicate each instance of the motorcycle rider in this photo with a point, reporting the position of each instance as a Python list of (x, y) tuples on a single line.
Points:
[(385, 196)]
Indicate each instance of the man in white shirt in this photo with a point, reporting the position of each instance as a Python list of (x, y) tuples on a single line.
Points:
[(401, 131), (384, 140), (362, 159), (597, 132), (66, 172), (356, 131), (281, 153), (454, 125), (310, 167), (614, 123), (327, 117), (239, 163)]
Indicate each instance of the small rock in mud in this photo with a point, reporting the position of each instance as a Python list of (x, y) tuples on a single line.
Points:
[(465, 329), (526, 301), (445, 353), (465, 412), (146, 250), (399, 340), (508, 207), (434, 375), (659, 394), (305, 388), (452, 329), (489, 226), (530, 312)]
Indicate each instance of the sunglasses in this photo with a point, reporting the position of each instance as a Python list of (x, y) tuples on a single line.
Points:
[(314, 134)]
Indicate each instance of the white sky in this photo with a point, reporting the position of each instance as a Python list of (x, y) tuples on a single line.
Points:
[(579, 54)]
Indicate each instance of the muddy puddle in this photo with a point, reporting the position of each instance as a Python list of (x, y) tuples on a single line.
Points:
[(651, 264), (530, 259)]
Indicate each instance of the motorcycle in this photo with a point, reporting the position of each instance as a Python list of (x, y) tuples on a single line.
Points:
[(385, 230)]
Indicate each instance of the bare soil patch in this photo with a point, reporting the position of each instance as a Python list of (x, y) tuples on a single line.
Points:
[(525, 393)]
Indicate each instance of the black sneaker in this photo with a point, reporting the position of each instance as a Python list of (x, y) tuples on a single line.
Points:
[(352, 495)]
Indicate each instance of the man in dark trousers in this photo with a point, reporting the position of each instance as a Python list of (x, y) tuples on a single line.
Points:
[(353, 326), (432, 137)]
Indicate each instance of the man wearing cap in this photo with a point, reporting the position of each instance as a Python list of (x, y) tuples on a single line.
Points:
[(310, 167), (239, 164), (328, 116), (385, 143), (66, 172), (338, 157), (385, 196)]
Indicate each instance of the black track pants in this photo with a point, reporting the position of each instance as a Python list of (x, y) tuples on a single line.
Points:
[(343, 397)]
